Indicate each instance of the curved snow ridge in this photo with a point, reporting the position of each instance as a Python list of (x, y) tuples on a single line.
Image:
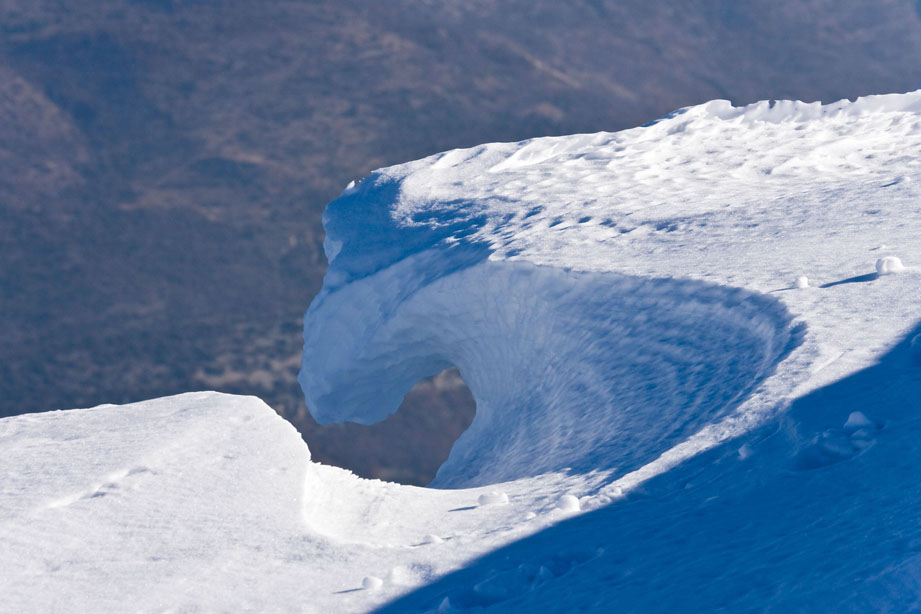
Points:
[(570, 370), (778, 111), (710, 168)]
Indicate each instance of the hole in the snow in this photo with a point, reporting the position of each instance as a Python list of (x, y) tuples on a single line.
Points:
[(410, 445)]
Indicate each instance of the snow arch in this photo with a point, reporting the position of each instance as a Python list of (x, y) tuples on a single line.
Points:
[(570, 370)]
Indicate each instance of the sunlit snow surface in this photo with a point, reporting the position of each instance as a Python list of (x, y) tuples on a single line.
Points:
[(668, 418)]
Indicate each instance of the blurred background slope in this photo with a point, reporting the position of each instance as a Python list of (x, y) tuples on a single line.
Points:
[(164, 163)]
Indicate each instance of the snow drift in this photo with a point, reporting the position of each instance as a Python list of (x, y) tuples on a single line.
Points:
[(696, 391)]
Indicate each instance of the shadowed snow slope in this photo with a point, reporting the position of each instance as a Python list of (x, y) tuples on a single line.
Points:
[(695, 392), (726, 533)]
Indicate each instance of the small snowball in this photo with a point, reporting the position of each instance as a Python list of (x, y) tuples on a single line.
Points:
[(372, 583), (857, 421), (431, 539), (889, 264), (802, 282), (493, 498), (350, 188), (569, 503)]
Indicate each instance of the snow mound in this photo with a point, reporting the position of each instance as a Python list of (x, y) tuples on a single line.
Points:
[(113, 505)]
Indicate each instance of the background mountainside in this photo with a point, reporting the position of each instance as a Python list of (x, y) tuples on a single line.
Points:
[(164, 164)]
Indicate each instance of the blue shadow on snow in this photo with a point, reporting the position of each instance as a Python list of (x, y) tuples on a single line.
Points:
[(815, 516)]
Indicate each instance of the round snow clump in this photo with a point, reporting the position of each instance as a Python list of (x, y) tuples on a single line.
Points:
[(493, 498), (857, 420), (889, 264), (351, 188), (372, 583), (802, 282), (568, 503), (431, 539)]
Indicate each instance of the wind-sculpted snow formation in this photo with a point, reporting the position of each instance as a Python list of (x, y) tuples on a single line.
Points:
[(694, 348), (585, 371), (548, 272)]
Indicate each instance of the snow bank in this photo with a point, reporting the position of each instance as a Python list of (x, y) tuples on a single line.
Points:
[(174, 501)]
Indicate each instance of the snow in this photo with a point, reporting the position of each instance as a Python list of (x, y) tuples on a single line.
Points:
[(569, 503), (889, 264), (856, 420), (492, 498), (663, 423), (372, 583)]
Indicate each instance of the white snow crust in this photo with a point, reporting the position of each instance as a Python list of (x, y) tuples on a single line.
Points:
[(665, 423)]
